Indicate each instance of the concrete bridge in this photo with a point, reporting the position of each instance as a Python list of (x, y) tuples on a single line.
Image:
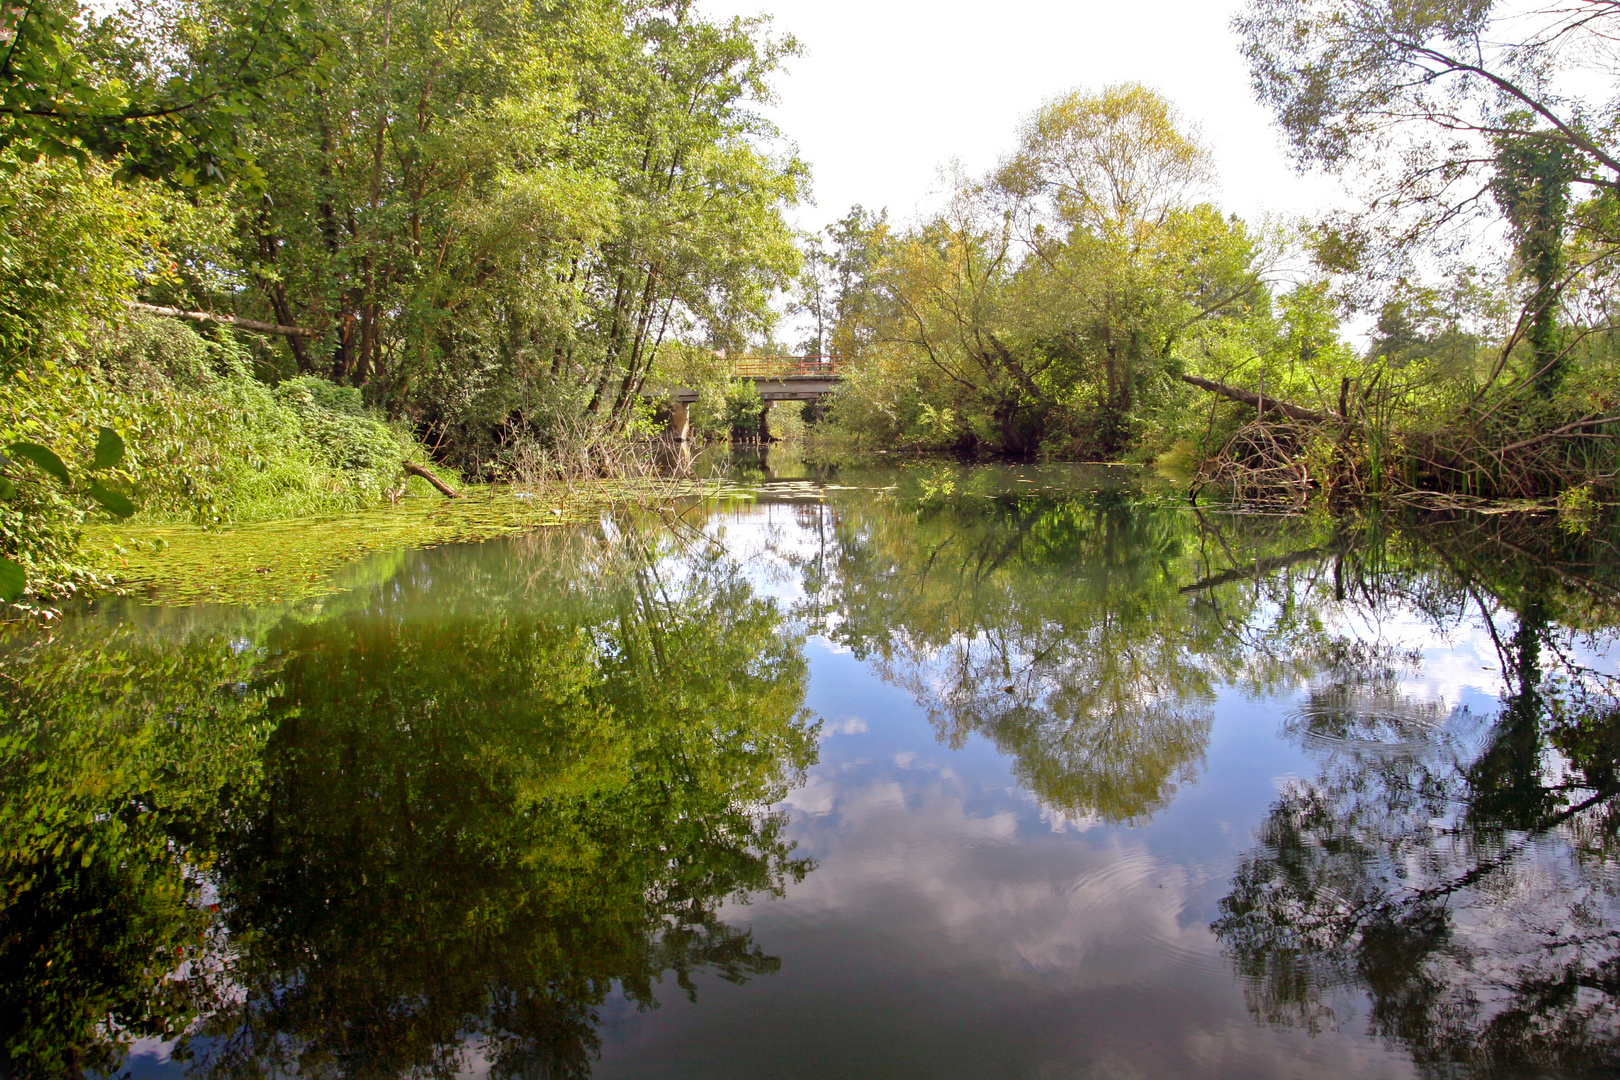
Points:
[(778, 378)]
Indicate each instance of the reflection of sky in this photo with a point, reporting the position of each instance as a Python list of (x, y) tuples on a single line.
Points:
[(954, 928)]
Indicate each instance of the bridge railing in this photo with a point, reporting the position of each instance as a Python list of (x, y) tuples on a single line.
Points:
[(781, 367)]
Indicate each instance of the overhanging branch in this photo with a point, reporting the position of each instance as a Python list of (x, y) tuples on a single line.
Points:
[(1262, 403), (227, 320)]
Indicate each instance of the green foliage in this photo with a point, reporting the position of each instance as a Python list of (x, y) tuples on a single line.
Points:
[(156, 88), (206, 443), (72, 251), (213, 445), (482, 221), (839, 289), (1047, 310), (496, 220), (743, 409), (41, 505), (1428, 108)]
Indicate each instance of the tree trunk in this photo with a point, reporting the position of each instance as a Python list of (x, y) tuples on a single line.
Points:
[(1261, 402)]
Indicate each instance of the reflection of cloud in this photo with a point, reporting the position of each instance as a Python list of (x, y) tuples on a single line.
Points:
[(943, 933), (1090, 915), (1456, 659), (849, 725), (1059, 822), (816, 796), (1285, 781)]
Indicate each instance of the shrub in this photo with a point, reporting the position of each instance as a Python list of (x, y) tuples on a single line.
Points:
[(207, 443)]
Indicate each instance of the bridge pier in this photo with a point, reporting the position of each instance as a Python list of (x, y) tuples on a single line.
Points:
[(680, 419)]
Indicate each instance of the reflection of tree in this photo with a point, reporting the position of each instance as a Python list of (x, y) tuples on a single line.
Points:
[(1466, 891), (1059, 627), (119, 762), (492, 788)]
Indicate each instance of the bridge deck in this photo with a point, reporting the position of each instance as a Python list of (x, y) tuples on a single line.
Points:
[(784, 378)]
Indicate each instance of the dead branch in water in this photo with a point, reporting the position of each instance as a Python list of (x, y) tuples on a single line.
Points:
[(416, 470)]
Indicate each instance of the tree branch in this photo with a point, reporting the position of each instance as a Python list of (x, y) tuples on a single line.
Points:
[(227, 320)]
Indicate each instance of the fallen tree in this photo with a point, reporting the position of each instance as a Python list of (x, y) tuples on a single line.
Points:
[(445, 489), (426, 475), (1261, 403)]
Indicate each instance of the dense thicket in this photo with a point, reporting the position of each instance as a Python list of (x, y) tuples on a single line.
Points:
[(1052, 306), (493, 214), (469, 226)]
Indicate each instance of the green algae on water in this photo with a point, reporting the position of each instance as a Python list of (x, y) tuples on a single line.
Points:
[(280, 561)]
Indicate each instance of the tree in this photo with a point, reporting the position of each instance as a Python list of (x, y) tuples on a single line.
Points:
[(838, 287), (493, 219), (1449, 111), (1044, 309), (158, 87)]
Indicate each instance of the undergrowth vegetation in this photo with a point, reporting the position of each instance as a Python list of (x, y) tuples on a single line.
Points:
[(207, 443)]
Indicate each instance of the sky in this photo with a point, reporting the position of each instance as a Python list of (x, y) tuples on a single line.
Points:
[(887, 93)]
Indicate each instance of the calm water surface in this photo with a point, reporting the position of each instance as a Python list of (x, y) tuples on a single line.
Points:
[(928, 771)]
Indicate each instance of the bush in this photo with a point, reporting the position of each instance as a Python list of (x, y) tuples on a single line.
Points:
[(207, 443)]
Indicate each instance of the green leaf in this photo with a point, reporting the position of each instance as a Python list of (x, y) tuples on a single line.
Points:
[(12, 580), (109, 449), (8, 490), (115, 504), (40, 456)]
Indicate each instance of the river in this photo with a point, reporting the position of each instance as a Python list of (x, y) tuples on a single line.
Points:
[(917, 770)]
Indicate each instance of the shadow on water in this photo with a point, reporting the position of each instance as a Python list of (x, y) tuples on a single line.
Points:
[(436, 820)]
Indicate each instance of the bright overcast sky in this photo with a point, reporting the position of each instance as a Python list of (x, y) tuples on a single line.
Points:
[(888, 92)]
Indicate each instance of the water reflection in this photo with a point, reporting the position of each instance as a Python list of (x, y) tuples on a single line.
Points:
[(1453, 878), (1085, 636), (482, 809), (441, 820)]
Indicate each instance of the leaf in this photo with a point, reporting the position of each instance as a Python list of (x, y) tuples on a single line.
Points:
[(8, 490), (109, 449), (115, 504), (12, 580), (40, 456)]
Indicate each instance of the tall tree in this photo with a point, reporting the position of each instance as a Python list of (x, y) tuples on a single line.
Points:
[(1046, 305), (492, 215), (159, 85)]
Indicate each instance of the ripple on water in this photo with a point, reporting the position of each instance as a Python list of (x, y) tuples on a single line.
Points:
[(1140, 898)]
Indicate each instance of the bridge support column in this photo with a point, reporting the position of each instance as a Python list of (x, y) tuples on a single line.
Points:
[(764, 422), (680, 419)]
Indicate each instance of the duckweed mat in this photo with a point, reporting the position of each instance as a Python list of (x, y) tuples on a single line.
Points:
[(292, 559)]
